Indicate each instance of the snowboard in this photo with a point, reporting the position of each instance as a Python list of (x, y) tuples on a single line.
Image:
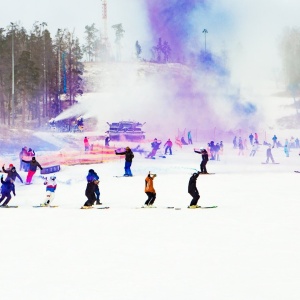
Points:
[(297, 171), (51, 206), (204, 207), (120, 176), (9, 206), (264, 163), (92, 207)]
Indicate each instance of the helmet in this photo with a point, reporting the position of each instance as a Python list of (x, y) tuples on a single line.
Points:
[(91, 171), (53, 177)]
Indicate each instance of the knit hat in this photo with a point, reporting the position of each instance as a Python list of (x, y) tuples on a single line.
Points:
[(11, 165)]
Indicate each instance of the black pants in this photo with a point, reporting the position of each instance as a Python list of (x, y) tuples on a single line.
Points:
[(203, 166), (91, 199), (7, 196), (151, 198), (195, 199)]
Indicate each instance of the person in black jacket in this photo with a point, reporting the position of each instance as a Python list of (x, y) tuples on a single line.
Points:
[(33, 165), (204, 161), (193, 191), (128, 160), (90, 193)]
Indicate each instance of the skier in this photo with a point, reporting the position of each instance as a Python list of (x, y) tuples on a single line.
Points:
[(6, 188), (155, 146), (274, 139), (269, 155), (33, 164), (169, 145), (193, 191), (11, 172), (50, 190), (286, 151), (251, 138), (149, 190), (90, 194), (92, 175), (128, 160), (204, 161)]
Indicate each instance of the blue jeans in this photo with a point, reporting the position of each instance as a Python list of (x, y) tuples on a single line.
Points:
[(127, 168)]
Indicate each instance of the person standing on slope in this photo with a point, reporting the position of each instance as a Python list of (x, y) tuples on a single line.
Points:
[(149, 190), (128, 160), (204, 161), (12, 173), (90, 194), (269, 155), (6, 188), (33, 165), (50, 190), (92, 175), (193, 191)]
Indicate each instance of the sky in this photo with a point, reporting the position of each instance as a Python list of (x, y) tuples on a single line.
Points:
[(248, 31), (247, 248)]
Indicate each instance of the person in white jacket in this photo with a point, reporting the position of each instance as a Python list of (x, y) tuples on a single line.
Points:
[(50, 190), (254, 148)]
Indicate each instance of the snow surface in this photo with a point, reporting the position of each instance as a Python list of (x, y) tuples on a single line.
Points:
[(247, 248)]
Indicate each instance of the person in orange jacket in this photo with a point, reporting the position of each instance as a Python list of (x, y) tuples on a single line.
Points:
[(149, 190)]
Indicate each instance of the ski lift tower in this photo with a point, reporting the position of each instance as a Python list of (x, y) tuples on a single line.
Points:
[(104, 36)]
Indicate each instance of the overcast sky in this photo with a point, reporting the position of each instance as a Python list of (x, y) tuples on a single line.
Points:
[(249, 30)]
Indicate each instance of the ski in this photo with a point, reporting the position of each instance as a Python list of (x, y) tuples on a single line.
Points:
[(203, 207), (51, 206), (207, 173), (173, 207), (297, 171), (92, 207), (104, 207), (120, 176), (9, 206)]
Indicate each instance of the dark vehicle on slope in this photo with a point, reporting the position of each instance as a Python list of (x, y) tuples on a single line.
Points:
[(126, 130)]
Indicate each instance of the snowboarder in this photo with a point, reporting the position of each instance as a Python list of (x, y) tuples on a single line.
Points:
[(11, 172), (204, 161), (6, 188), (254, 149), (92, 175), (128, 160), (155, 146), (149, 190), (193, 191), (50, 190), (90, 193), (269, 155), (169, 145), (33, 164)]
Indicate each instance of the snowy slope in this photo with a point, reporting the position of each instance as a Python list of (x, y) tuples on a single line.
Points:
[(247, 248)]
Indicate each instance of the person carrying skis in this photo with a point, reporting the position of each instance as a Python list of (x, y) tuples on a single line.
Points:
[(204, 161), (128, 160), (33, 165), (193, 191), (50, 190), (6, 188), (149, 190), (92, 175), (12, 173), (90, 194)]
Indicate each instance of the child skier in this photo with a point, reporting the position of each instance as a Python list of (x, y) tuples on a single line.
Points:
[(90, 194), (92, 175), (6, 188), (50, 190), (149, 190), (193, 191)]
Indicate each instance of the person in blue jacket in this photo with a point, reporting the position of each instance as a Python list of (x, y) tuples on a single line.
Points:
[(92, 175), (6, 188)]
